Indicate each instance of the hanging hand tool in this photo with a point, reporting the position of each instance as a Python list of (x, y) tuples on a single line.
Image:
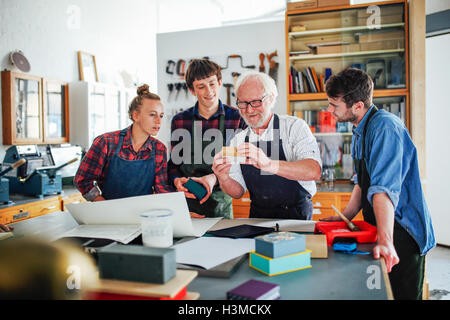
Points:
[(234, 56), (180, 68), (170, 88), (262, 68), (273, 66), (235, 76), (178, 87), (228, 86), (170, 67), (185, 88)]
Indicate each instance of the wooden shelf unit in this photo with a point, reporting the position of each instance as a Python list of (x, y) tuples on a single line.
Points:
[(345, 31)]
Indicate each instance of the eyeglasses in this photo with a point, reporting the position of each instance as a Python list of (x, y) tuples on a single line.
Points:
[(254, 103)]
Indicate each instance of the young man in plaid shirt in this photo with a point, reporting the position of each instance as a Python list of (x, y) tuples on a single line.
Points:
[(192, 156)]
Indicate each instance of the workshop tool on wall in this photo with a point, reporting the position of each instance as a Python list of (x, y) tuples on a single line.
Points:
[(4, 183), (350, 224), (180, 68), (178, 87), (262, 68), (170, 87), (170, 67), (17, 59), (228, 86), (235, 56), (31, 178), (235, 76), (273, 66), (185, 88)]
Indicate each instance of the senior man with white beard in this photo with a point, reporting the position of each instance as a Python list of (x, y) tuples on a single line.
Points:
[(282, 159)]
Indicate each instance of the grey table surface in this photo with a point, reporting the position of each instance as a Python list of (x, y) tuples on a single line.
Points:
[(338, 277)]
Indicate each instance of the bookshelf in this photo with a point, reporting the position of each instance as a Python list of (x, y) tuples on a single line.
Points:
[(324, 41)]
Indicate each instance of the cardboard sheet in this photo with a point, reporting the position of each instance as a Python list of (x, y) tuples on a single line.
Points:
[(127, 211), (208, 252)]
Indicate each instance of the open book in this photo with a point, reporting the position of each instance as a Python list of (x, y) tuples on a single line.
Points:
[(119, 219)]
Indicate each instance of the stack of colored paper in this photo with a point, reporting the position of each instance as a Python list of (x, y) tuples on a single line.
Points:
[(280, 252)]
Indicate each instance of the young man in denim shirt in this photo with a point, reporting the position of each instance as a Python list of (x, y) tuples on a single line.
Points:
[(388, 185)]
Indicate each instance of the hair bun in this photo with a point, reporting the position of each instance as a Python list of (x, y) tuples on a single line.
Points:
[(142, 90)]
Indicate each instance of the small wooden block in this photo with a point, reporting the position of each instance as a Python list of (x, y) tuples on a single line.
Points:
[(229, 151), (317, 243)]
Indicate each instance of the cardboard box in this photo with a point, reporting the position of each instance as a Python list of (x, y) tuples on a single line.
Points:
[(299, 5), (388, 14), (382, 45), (297, 28), (332, 3), (380, 36), (276, 266)]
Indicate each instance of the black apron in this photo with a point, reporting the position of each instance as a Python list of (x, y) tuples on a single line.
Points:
[(129, 178), (406, 278), (363, 176), (219, 204), (272, 196)]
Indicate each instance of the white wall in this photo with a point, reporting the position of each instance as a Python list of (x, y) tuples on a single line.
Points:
[(437, 138), (247, 40), (121, 35), (433, 6)]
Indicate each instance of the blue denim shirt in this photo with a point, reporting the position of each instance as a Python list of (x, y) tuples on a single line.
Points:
[(391, 161)]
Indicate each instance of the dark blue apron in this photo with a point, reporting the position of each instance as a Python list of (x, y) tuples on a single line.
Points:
[(128, 178), (273, 196)]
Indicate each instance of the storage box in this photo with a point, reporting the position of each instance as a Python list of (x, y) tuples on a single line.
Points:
[(136, 263), (380, 36), (335, 229), (332, 3), (388, 14), (278, 244), (299, 5), (382, 45), (276, 266)]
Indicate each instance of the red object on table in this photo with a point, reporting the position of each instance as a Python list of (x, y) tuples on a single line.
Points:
[(95, 295), (335, 229)]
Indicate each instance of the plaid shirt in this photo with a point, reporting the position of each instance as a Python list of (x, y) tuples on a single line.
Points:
[(95, 163), (183, 120)]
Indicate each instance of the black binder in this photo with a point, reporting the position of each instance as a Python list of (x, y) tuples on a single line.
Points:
[(242, 231)]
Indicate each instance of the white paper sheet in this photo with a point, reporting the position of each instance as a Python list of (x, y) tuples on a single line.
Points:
[(202, 225), (121, 233), (208, 252), (127, 211)]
